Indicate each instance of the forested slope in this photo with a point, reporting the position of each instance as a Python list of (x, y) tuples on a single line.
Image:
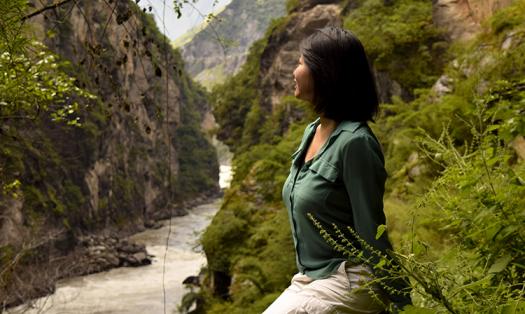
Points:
[(100, 130), (451, 126)]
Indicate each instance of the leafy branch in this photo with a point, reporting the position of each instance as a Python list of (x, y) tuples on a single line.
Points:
[(45, 8)]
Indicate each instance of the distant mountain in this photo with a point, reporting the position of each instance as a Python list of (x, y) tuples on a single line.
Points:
[(218, 49), (188, 35)]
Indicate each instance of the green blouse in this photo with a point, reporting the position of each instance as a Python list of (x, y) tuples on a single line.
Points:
[(343, 185)]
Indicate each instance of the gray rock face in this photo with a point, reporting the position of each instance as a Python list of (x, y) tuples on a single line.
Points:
[(387, 88), (443, 85), (11, 221), (281, 55), (119, 55), (462, 18)]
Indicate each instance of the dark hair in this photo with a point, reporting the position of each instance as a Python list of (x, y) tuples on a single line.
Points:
[(344, 84)]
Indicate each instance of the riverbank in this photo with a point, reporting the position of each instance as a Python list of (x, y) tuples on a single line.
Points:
[(157, 288), (69, 255)]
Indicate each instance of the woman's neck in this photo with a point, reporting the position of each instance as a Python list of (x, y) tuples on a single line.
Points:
[(326, 125)]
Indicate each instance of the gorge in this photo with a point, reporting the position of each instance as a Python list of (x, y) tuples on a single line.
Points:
[(450, 79)]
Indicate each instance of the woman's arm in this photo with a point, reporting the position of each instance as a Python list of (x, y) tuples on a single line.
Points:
[(364, 177)]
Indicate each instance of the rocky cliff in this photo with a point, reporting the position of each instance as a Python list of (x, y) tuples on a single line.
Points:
[(221, 47), (462, 19), (281, 54), (139, 154)]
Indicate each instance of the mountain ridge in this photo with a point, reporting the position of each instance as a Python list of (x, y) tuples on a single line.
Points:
[(221, 47)]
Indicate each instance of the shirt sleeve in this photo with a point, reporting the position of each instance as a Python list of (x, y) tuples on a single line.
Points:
[(364, 177)]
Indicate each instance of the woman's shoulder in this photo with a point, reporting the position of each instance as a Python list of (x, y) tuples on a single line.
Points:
[(361, 137), (353, 130)]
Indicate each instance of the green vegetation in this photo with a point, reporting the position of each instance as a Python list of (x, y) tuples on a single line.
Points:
[(197, 162), (251, 216), (476, 206), (400, 40), (33, 85), (458, 187), (455, 195), (209, 77), (236, 103), (198, 165), (291, 5), (235, 98)]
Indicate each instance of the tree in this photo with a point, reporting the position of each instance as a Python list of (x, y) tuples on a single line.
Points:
[(32, 82)]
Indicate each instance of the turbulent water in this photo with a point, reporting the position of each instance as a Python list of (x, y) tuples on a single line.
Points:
[(141, 289)]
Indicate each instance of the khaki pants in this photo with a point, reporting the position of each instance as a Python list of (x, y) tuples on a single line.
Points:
[(345, 291)]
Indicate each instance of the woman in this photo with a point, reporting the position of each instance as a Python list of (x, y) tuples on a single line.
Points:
[(337, 177)]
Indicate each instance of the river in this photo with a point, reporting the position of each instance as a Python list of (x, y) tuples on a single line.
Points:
[(139, 290)]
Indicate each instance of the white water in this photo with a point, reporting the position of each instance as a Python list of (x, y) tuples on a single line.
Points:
[(138, 290), (225, 180)]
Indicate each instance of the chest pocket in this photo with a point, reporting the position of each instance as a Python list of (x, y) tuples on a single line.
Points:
[(325, 169), (315, 185)]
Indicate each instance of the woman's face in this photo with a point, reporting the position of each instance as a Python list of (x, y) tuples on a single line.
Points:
[(304, 82)]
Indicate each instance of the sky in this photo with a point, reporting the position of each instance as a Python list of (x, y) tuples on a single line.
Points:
[(192, 14)]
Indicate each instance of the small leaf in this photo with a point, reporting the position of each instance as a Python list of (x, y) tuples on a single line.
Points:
[(380, 230), (493, 127), (500, 264), (380, 264)]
